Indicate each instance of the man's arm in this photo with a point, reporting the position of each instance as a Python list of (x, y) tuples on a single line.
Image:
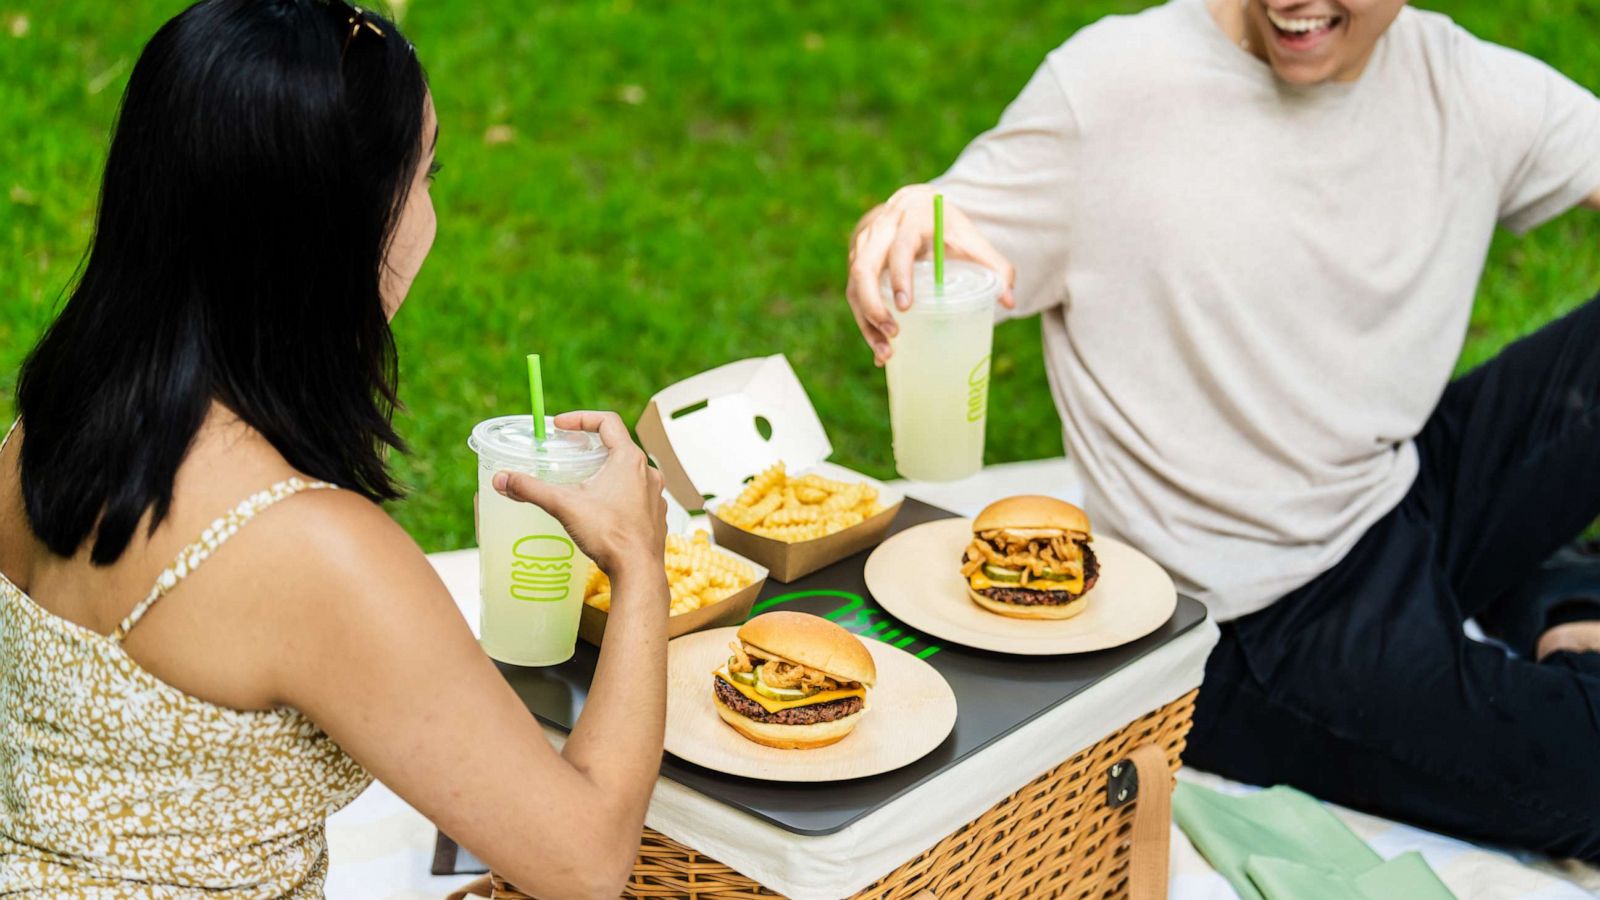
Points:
[(891, 236), (1004, 206), (1540, 131)]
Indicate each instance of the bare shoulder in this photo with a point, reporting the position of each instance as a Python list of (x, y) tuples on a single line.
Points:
[(312, 563), (337, 543), (336, 521), (349, 590)]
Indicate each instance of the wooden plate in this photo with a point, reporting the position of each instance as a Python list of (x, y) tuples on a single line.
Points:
[(909, 713), (915, 576)]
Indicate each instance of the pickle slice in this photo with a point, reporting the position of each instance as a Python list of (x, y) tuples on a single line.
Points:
[(774, 693), (1006, 576), (1012, 576), (740, 677)]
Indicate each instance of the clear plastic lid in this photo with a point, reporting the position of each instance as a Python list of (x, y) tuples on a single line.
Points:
[(967, 286), (506, 442)]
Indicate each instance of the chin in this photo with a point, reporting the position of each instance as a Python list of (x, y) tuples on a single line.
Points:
[(1305, 69), (1301, 74)]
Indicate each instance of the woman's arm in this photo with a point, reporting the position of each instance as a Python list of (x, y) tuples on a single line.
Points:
[(627, 703), (375, 652)]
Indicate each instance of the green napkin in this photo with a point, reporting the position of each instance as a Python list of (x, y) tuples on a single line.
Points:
[(1407, 875), (1280, 844)]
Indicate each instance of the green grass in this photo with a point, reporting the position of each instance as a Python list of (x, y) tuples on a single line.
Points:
[(677, 194)]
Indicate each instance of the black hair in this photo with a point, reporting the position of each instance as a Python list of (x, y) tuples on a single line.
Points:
[(259, 164)]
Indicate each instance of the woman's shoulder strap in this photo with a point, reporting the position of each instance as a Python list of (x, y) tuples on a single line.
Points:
[(217, 533)]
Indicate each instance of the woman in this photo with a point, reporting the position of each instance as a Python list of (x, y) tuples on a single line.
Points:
[(227, 353)]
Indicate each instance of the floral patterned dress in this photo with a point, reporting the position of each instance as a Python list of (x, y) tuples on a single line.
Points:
[(114, 783)]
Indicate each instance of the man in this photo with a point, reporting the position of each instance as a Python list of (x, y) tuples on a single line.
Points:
[(1253, 231)]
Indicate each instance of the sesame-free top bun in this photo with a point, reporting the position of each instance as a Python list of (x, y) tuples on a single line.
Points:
[(813, 642), (1031, 511)]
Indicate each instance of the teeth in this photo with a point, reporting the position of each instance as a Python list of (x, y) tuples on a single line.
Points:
[(1298, 26)]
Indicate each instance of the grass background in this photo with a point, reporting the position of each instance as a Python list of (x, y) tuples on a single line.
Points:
[(645, 190)]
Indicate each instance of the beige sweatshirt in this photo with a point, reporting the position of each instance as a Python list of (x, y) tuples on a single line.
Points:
[(1253, 295)]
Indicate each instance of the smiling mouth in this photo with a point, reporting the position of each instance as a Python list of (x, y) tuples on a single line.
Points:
[(1301, 32)]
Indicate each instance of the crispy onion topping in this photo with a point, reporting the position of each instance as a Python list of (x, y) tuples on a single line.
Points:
[(780, 673), (1032, 557)]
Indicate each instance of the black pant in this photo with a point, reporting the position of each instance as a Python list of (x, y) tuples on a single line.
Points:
[(1361, 687)]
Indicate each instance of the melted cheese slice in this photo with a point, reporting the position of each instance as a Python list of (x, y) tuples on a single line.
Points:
[(1074, 585), (980, 581), (772, 706)]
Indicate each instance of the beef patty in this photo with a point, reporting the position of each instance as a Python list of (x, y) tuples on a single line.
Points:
[(814, 714), (1027, 597)]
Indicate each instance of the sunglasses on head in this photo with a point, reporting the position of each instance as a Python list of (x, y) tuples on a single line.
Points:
[(356, 18)]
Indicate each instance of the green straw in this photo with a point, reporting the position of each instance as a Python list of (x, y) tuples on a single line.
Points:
[(536, 391), (938, 244)]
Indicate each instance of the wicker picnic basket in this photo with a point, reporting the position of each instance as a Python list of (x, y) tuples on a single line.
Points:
[(1060, 836)]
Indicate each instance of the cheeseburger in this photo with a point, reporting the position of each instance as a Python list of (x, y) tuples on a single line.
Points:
[(794, 681), (1030, 558)]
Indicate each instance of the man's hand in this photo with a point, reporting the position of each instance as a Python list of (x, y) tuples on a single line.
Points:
[(1573, 637), (892, 236)]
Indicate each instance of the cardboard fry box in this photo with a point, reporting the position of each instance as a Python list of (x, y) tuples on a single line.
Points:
[(711, 433), (730, 610)]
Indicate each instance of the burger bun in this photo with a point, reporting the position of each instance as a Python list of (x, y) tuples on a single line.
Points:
[(1041, 611), (1031, 512), (813, 642), (789, 737)]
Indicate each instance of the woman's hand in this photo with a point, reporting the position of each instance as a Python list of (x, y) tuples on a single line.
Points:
[(617, 517), (892, 236)]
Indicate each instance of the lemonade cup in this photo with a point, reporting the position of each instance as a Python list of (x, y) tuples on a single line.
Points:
[(938, 374), (531, 572)]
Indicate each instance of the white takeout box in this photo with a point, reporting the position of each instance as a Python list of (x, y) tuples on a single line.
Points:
[(706, 435)]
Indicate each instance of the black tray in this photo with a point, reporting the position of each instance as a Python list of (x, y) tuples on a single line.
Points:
[(995, 694)]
